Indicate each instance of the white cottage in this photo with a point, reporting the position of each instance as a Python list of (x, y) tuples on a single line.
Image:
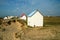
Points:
[(34, 19)]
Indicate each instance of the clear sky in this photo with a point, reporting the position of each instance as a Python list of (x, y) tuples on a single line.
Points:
[(17, 7)]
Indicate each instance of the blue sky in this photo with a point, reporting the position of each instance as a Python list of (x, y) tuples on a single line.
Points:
[(17, 7)]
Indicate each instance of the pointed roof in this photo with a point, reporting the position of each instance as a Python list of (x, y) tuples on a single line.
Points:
[(23, 14), (31, 14)]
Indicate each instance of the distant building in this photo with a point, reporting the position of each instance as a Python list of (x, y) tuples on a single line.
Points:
[(34, 19), (9, 17), (5, 18), (23, 16)]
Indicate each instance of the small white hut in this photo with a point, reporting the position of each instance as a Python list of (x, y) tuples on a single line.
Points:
[(34, 19), (23, 16)]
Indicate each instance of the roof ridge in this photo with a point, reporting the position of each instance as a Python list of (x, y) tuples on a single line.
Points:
[(32, 13)]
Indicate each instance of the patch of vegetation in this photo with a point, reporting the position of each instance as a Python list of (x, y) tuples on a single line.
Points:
[(1, 38), (19, 34), (14, 20), (1, 18), (51, 20), (30, 26), (0, 27), (1, 21), (3, 29), (22, 21), (52, 23), (9, 22)]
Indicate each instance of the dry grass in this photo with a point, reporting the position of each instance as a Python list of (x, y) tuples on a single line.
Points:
[(18, 31), (47, 33), (52, 20)]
